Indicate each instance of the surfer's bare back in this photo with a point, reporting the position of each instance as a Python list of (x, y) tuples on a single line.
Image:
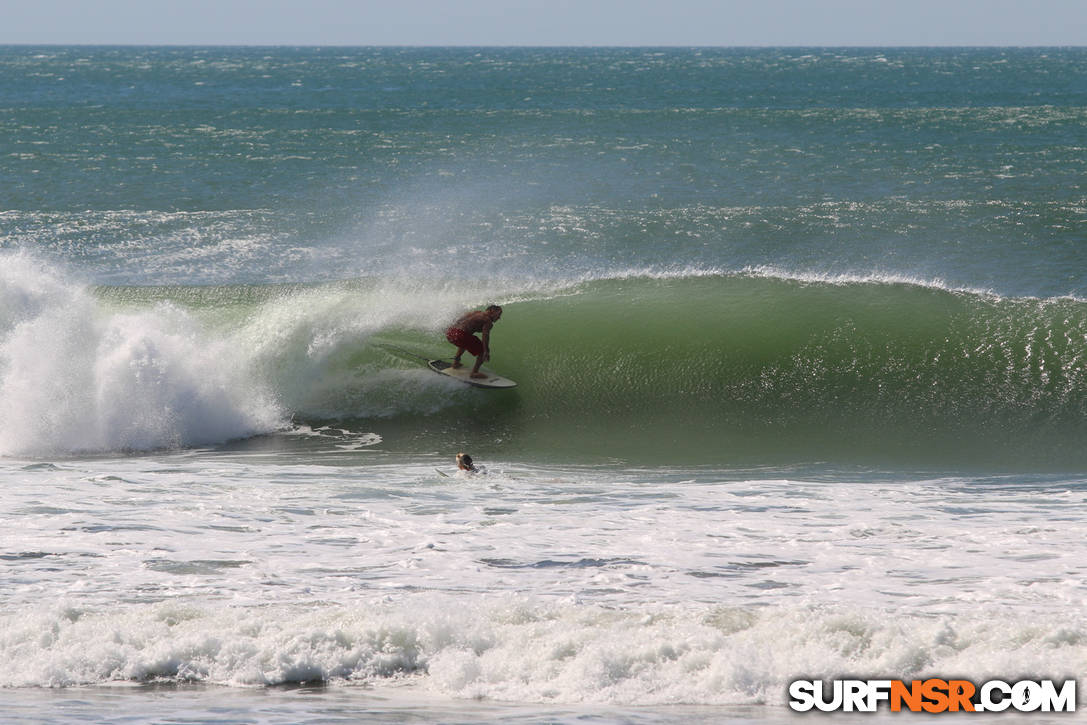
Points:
[(461, 334)]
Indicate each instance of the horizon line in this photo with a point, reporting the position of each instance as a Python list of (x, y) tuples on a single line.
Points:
[(16, 44)]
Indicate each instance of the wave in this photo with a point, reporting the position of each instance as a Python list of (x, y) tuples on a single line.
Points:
[(685, 367), (525, 651), (754, 367)]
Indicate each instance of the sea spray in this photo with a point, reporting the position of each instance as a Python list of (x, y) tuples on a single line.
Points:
[(77, 376)]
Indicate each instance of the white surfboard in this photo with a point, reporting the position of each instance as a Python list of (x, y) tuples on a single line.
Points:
[(464, 374)]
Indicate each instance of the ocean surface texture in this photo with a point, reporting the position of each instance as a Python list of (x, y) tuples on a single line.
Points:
[(801, 344)]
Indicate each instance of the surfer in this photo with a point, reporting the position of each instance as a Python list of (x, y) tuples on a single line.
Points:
[(466, 467), (464, 463), (461, 334)]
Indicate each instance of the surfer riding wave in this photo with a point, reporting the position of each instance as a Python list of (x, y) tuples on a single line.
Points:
[(462, 334)]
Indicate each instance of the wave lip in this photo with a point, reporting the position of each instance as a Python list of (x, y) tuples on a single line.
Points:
[(859, 278)]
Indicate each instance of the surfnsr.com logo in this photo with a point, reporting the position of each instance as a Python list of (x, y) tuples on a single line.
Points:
[(933, 696)]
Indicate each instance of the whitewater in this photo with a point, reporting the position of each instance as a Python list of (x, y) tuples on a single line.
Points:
[(799, 336)]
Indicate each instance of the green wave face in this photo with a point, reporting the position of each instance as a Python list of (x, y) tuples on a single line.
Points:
[(741, 369), (689, 370)]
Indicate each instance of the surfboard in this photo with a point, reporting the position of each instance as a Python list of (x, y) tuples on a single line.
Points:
[(464, 374)]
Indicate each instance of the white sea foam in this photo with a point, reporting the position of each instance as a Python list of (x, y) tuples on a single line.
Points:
[(575, 585), (517, 649), (76, 376)]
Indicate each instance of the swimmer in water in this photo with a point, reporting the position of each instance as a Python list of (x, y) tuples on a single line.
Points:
[(464, 463)]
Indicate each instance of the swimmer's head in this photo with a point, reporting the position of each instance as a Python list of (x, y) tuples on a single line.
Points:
[(464, 462)]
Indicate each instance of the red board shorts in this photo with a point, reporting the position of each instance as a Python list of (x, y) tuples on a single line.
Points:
[(460, 338)]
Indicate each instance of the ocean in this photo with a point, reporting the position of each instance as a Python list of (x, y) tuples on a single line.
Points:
[(800, 338)]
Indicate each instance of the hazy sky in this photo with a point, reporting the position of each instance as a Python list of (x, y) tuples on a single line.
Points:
[(545, 22)]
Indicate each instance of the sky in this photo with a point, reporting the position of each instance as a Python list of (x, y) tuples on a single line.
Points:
[(546, 22)]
